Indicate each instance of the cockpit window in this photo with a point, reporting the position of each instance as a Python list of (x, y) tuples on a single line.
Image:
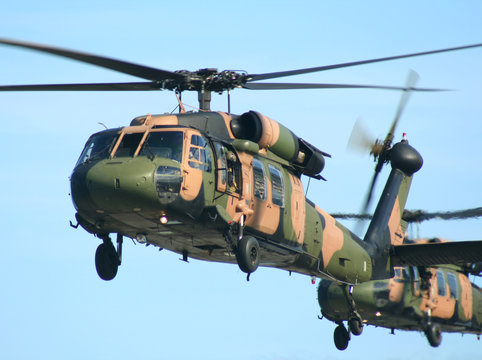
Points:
[(166, 144), (128, 145), (98, 147), (200, 154)]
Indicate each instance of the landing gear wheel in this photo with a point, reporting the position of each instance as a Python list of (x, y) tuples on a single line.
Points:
[(247, 254), (355, 326), (434, 334), (341, 337), (106, 261)]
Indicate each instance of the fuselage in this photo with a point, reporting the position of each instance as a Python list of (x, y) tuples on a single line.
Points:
[(409, 299), (185, 183)]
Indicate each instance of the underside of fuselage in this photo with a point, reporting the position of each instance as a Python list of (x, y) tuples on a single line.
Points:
[(202, 239)]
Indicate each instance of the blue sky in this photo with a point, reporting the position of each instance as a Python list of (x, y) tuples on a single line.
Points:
[(53, 305)]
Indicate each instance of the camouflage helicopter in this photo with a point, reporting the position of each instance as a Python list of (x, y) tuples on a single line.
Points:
[(220, 187), (417, 298)]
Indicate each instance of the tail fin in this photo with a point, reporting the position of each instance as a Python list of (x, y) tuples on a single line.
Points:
[(386, 227)]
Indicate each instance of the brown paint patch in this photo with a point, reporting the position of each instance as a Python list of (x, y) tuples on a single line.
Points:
[(332, 237), (395, 291), (466, 299), (171, 120), (394, 225), (270, 131), (298, 208), (227, 120)]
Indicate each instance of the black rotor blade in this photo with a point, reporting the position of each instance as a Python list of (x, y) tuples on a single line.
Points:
[(291, 86), (130, 86), (141, 71), (368, 196), (420, 215), (256, 77), (411, 80), (351, 216), (383, 156)]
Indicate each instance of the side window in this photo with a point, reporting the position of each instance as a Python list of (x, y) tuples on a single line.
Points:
[(277, 185), (416, 279), (452, 285), (222, 166), (442, 288), (259, 179), (128, 145), (200, 154)]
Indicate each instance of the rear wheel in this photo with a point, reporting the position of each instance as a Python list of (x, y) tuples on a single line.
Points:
[(434, 334), (106, 261), (355, 326), (247, 254)]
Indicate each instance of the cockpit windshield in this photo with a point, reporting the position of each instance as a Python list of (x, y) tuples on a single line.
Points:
[(166, 144), (98, 147)]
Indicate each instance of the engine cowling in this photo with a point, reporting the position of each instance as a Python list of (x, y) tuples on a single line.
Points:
[(269, 134)]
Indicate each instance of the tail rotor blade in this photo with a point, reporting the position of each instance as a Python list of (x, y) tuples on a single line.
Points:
[(412, 79), (360, 139)]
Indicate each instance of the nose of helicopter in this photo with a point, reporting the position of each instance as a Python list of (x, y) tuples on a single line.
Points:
[(135, 184)]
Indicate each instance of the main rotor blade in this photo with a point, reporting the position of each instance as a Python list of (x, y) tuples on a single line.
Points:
[(141, 71), (291, 86), (130, 86), (273, 75), (420, 215)]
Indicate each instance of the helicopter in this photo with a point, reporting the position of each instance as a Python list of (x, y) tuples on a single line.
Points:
[(220, 187), (430, 299)]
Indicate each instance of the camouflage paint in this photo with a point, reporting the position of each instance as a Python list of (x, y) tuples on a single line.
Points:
[(395, 303), (298, 237)]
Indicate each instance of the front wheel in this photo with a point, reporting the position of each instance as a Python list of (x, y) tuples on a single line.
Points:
[(106, 261), (247, 254), (341, 337)]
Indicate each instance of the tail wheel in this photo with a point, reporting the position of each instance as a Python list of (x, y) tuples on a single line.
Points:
[(341, 337), (434, 334), (106, 261), (247, 254)]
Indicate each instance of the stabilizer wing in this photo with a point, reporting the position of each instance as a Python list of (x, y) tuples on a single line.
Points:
[(457, 253)]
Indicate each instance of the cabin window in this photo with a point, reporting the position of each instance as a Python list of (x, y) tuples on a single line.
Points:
[(128, 145), (222, 166), (259, 179), (442, 288), (200, 154), (416, 279), (166, 144), (277, 185), (98, 147), (401, 274), (452, 285)]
